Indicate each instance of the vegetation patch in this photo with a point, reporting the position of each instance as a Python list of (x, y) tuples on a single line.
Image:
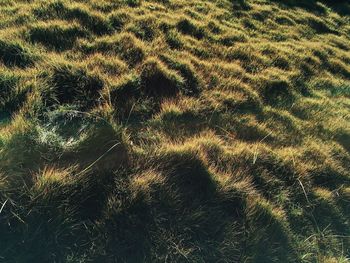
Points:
[(187, 27), (159, 81), (118, 20), (277, 91), (192, 85), (174, 131), (59, 37), (145, 28), (59, 10), (12, 96), (173, 39), (74, 85), (125, 45), (14, 54)]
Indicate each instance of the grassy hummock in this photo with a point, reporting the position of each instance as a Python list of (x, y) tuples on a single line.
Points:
[(175, 131)]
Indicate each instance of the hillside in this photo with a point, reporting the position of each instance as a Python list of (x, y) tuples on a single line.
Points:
[(175, 131)]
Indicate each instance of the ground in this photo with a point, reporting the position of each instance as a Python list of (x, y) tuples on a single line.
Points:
[(174, 131)]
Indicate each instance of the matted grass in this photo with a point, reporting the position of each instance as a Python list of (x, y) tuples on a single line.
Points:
[(175, 131)]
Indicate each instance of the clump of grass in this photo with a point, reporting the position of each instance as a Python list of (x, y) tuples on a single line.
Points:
[(125, 45), (159, 81), (133, 3), (130, 49), (214, 27), (173, 39), (21, 134), (7, 84), (231, 39), (74, 85), (277, 91), (13, 93), (56, 36), (51, 10), (174, 131), (252, 61), (106, 140), (58, 9), (125, 93), (145, 28), (240, 5), (239, 99), (192, 85), (273, 218), (188, 174), (343, 137), (336, 66), (113, 67), (127, 87), (125, 208), (118, 19), (132, 104), (94, 22), (15, 54), (320, 26), (187, 27), (321, 176)]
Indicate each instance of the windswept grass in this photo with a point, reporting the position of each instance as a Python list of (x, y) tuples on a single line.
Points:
[(15, 54), (175, 131)]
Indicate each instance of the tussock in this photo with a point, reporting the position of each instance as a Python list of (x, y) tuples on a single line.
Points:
[(174, 131)]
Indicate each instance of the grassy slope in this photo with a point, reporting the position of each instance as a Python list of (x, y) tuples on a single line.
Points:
[(174, 131)]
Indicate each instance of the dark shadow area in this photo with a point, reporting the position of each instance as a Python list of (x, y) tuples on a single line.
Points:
[(340, 6), (56, 37), (14, 54)]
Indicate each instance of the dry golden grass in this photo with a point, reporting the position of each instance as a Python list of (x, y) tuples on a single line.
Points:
[(174, 131)]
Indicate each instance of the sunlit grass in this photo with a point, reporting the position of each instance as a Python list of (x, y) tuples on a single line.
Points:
[(174, 131)]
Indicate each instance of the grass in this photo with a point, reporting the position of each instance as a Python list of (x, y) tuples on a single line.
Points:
[(55, 36), (14, 54), (174, 131)]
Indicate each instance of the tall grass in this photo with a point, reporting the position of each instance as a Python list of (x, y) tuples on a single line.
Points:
[(174, 131)]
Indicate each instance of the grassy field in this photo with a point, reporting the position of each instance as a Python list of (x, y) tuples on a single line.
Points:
[(175, 131)]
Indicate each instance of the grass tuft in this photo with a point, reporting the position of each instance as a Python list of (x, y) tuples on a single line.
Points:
[(126, 45), (74, 85), (174, 131), (58, 37), (187, 27), (15, 54), (159, 81)]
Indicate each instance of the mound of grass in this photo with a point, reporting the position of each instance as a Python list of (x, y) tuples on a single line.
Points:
[(133, 3), (125, 45), (125, 93), (188, 175), (13, 93), (159, 81), (74, 85), (14, 54), (192, 85), (187, 27), (118, 20), (278, 91), (105, 140), (59, 37), (88, 19), (96, 23), (173, 39), (7, 83), (145, 28), (174, 131)]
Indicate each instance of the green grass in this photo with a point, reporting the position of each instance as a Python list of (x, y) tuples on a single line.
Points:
[(175, 131)]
